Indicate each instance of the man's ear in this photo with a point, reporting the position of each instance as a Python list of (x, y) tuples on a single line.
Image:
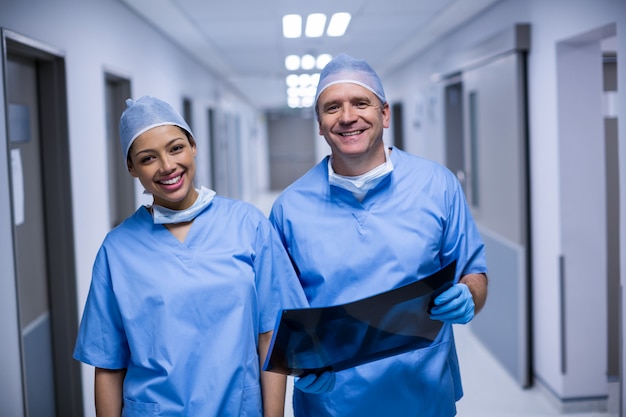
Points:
[(386, 111)]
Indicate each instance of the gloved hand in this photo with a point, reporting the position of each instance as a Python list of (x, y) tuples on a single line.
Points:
[(316, 384), (455, 305)]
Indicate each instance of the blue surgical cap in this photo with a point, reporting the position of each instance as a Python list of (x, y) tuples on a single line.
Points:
[(144, 114), (345, 69)]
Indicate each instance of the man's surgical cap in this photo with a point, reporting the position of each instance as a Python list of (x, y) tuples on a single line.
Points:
[(144, 114), (345, 69)]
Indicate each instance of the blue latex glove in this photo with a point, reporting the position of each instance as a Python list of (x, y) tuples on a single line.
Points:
[(316, 384), (455, 305)]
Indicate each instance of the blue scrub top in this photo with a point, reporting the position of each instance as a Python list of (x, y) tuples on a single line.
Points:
[(184, 318), (409, 226)]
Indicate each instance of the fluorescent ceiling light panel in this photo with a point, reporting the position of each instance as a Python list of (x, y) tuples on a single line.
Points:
[(292, 26), (322, 60), (315, 24), (292, 80), (304, 80), (308, 62), (307, 101), (293, 101), (292, 62), (338, 24)]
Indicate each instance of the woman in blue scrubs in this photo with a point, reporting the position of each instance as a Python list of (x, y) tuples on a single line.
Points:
[(365, 220), (185, 292)]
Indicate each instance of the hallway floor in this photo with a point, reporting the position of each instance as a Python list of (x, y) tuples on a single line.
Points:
[(491, 392)]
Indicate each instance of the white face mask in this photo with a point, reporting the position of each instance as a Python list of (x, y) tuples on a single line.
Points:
[(163, 215), (359, 185)]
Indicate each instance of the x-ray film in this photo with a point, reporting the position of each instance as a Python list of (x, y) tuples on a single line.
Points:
[(312, 340)]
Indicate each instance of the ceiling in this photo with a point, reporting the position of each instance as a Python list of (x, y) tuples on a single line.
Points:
[(241, 40)]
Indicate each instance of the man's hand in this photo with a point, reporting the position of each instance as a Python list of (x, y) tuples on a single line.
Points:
[(316, 384), (455, 305)]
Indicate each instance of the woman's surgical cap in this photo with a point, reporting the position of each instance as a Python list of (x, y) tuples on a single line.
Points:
[(142, 115), (345, 69)]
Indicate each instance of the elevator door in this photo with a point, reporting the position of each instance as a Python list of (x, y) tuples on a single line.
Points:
[(497, 189), (29, 232)]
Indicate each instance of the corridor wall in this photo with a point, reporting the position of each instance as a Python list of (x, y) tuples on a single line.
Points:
[(415, 83)]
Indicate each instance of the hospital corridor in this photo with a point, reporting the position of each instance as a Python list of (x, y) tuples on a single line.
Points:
[(490, 133)]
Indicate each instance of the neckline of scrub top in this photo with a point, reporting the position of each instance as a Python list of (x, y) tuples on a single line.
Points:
[(160, 232)]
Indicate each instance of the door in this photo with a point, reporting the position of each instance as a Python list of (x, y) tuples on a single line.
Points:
[(589, 202), (397, 125), (29, 235), (291, 147), (121, 183), (220, 153), (225, 137), (455, 142), (42, 245), (496, 183), (612, 219)]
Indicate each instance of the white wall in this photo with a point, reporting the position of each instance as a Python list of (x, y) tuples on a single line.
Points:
[(551, 22), (103, 35)]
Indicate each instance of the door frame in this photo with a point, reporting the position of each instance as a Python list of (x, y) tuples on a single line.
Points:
[(511, 42), (121, 185), (584, 327), (58, 214)]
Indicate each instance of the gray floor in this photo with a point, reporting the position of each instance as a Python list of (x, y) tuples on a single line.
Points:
[(489, 390)]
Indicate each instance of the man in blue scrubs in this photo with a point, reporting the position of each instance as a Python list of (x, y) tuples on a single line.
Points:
[(369, 218)]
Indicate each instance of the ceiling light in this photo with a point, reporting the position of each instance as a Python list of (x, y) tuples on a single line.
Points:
[(301, 89), (315, 24), (310, 91), (292, 62), (338, 24), (292, 80), (293, 102), (292, 26), (322, 60), (304, 80), (307, 101), (308, 62)]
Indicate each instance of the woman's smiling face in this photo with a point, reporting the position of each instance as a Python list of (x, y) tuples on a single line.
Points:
[(163, 159)]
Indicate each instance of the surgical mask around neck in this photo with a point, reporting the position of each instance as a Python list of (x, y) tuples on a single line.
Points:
[(163, 215), (359, 185)]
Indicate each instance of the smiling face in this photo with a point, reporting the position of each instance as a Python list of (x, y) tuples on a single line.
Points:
[(352, 119), (163, 159)]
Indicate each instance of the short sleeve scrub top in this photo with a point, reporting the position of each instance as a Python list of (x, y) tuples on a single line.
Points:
[(184, 318), (413, 223)]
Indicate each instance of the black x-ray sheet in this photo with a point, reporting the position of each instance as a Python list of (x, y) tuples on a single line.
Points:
[(312, 340)]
